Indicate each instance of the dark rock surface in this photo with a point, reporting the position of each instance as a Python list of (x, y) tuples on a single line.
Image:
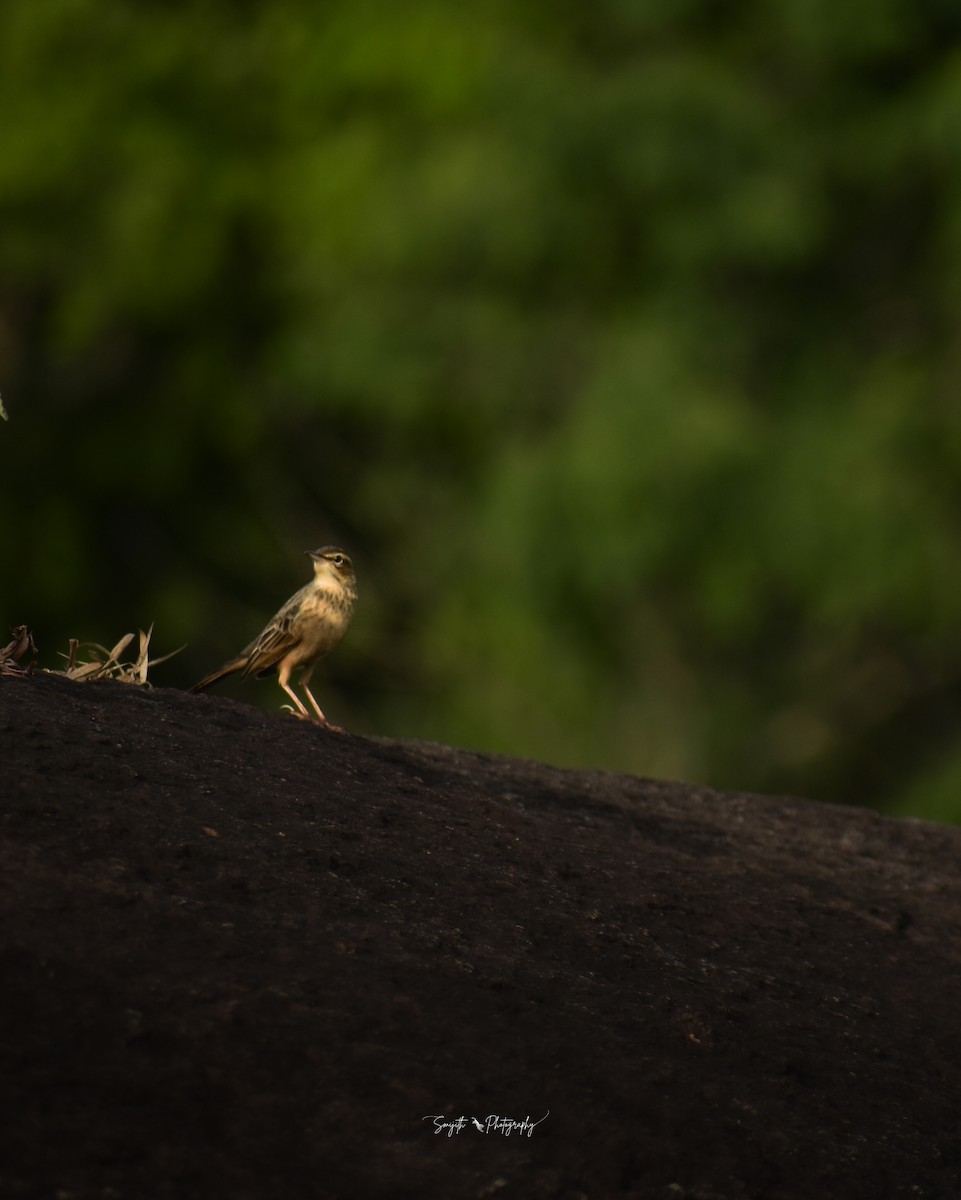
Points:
[(244, 957)]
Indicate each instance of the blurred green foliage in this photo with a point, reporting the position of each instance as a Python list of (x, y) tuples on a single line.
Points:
[(618, 342)]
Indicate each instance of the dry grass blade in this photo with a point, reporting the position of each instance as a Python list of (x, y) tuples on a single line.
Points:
[(120, 647), (13, 652), (97, 662)]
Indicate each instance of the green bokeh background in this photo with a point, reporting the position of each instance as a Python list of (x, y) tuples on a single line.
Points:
[(619, 343)]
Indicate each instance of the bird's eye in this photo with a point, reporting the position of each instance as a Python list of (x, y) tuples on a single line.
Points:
[(338, 560)]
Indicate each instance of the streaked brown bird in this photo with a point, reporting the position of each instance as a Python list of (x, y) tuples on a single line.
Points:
[(308, 626)]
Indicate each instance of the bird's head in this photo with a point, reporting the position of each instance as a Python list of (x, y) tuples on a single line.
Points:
[(331, 562)]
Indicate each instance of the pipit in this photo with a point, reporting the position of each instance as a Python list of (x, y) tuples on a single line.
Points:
[(308, 626)]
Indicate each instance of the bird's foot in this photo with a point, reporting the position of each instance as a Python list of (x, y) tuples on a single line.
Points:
[(323, 723), (320, 722)]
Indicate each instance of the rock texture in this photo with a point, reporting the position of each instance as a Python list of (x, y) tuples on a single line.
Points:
[(245, 957)]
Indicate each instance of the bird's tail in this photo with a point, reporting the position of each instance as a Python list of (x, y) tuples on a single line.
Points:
[(230, 668)]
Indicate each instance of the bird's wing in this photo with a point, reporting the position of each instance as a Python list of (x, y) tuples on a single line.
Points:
[(266, 651)]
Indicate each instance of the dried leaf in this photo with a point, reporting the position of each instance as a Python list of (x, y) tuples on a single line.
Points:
[(90, 670), (13, 652), (120, 647), (142, 659), (163, 658)]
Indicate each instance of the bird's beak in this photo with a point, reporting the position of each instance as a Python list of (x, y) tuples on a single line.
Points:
[(314, 555)]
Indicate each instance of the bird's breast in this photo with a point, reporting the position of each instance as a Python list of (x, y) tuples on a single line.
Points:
[(322, 621)]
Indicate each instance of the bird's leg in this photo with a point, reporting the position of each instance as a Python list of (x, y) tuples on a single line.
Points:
[(283, 678), (316, 707), (299, 711), (321, 719)]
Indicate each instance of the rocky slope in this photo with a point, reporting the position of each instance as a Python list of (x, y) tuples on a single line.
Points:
[(245, 957)]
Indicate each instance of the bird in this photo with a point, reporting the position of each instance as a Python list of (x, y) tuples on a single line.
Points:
[(306, 628)]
